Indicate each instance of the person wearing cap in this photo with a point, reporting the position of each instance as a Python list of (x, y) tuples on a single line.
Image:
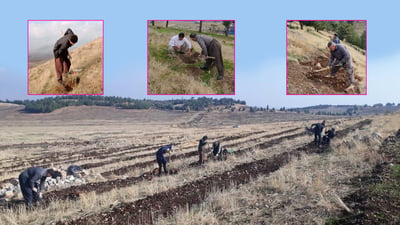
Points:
[(202, 148), (211, 49), (335, 39), (161, 160), (61, 54), (179, 44), (28, 183), (340, 57)]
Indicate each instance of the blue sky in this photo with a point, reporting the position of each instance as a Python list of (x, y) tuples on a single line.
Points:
[(43, 34), (260, 44)]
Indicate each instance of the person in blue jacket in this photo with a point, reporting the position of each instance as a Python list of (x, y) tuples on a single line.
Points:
[(28, 182), (161, 160)]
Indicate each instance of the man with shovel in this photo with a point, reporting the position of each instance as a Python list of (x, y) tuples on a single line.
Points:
[(211, 49), (161, 160), (61, 53), (340, 57)]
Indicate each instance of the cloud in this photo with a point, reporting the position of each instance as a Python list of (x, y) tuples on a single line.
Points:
[(43, 34)]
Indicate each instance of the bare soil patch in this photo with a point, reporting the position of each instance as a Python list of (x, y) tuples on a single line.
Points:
[(303, 80)]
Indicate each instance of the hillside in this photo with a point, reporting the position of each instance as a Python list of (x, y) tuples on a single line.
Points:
[(274, 173), (182, 74), (87, 78), (305, 49)]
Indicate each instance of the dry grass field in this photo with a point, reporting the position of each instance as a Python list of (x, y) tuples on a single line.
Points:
[(87, 62), (306, 48), (275, 175), (182, 74)]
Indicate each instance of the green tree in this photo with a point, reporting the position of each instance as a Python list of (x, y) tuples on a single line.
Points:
[(363, 43), (227, 24)]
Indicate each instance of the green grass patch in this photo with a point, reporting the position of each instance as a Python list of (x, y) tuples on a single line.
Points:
[(160, 53), (229, 65), (396, 173)]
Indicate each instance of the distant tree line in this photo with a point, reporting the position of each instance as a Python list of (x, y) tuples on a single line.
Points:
[(344, 29), (50, 104)]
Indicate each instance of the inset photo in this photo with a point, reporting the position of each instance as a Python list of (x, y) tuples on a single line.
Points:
[(326, 57), (65, 57), (191, 57)]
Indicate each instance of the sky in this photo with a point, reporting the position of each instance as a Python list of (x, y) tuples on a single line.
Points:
[(43, 34), (260, 44)]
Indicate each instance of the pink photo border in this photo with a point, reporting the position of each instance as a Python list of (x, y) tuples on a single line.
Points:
[(61, 21), (234, 58), (366, 46)]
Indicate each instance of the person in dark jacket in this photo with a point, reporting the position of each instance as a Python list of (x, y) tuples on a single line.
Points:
[(335, 39), (74, 170), (329, 134), (61, 53), (317, 129), (28, 183), (161, 160), (340, 57), (216, 148), (211, 49), (202, 148)]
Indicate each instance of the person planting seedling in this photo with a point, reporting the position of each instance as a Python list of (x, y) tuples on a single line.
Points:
[(61, 54)]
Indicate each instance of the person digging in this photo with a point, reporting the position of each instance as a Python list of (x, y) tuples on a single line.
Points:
[(340, 57), (30, 188), (61, 54), (161, 160), (211, 50), (317, 128)]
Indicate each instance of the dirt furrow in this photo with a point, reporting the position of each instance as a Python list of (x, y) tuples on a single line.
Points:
[(145, 211), (124, 170)]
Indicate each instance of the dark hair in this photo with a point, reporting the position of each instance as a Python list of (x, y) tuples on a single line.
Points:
[(192, 35), (74, 38), (330, 44), (205, 138), (335, 35), (181, 35), (54, 174)]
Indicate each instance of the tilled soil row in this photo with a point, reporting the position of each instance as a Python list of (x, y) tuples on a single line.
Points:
[(73, 192), (126, 169), (98, 164), (95, 154), (67, 156), (51, 159), (145, 211)]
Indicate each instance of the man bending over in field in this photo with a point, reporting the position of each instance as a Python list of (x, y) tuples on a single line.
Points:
[(162, 162), (317, 129), (211, 49), (29, 188), (340, 57), (61, 53)]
